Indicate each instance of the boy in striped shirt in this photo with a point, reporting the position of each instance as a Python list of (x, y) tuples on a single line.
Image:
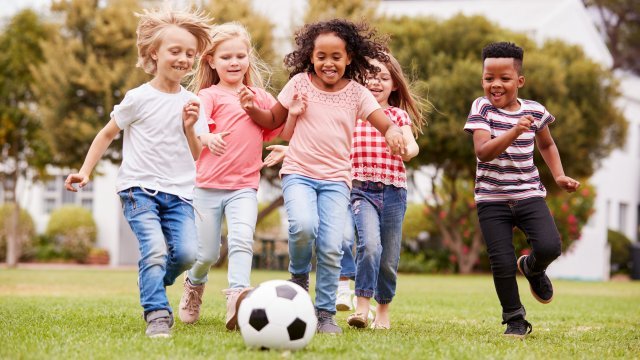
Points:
[(508, 191)]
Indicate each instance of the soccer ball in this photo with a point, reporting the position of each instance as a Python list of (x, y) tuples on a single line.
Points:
[(277, 314)]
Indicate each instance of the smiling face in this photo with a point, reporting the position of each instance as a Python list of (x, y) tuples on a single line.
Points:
[(500, 82), (175, 55), (231, 61), (381, 84), (330, 60)]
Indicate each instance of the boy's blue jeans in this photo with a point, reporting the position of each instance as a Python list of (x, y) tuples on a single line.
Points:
[(164, 225), (348, 263), (497, 220), (317, 210), (378, 211)]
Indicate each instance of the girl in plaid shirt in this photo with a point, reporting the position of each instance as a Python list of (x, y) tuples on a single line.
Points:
[(378, 195)]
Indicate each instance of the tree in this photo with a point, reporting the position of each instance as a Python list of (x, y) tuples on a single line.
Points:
[(355, 10), (445, 57), (24, 154), (620, 24), (77, 91)]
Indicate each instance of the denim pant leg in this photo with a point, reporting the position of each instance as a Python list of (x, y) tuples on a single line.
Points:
[(208, 202), (366, 206), (535, 220), (241, 212), (142, 213), (496, 224), (179, 227), (301, 203), (392, 216), (348, 264), (333, 201)]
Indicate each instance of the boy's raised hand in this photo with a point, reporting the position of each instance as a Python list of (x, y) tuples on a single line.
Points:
[(298, 105), (276, 155), (524, 124), (79, 179), (190, 113), (216, 143), (395, 140), (246, 97), (568, 184)]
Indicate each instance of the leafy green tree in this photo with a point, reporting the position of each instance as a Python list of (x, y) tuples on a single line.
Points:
[(620, 23), (90, 65), (445, 58), (24, 154), (354, 10)]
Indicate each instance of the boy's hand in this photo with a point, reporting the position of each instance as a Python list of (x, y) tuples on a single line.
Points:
[(216, 143), (524, 124), (190, 113), (298, 105), (568, 184), (246, 97), (276, 155), (79, 179), (395, 141)]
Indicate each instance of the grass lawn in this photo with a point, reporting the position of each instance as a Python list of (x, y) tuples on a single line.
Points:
[(88, 313)]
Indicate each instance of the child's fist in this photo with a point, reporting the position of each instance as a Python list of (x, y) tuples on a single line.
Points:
[(395, 140), (246, 96), (568, 184), (190, 112), (524, 124)]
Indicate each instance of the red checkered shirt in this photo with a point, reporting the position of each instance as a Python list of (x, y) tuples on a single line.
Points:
[(370, 157)]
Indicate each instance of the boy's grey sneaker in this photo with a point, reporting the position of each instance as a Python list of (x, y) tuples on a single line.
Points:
[(518, 328), (326, 323), (301, 279), (539, 283), (159, 324)]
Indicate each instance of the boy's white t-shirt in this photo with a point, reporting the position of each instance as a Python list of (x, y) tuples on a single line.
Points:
[(155, 151)]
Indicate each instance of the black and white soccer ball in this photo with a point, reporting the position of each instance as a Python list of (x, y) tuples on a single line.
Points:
[(277, 314)]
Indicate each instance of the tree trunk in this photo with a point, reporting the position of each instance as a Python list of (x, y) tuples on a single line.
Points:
[(13, 236)]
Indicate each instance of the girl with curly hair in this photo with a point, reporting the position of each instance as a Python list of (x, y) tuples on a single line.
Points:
[(329, 66)]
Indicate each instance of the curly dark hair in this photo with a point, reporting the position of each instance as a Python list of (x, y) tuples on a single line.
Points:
[(361, 42), (504, 50)]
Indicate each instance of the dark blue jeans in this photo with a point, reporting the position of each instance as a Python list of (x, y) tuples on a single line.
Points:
[(497, 220)]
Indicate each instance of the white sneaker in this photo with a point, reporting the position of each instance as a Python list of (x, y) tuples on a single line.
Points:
[(343, 300), (372, 309)]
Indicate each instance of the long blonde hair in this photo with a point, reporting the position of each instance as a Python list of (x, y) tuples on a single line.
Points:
[(205, 76), (154, 23), (402, 97)]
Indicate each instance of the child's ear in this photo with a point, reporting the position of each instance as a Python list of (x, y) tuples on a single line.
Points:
[(520, 81), (209, 60), (154, 54), (348, 59)]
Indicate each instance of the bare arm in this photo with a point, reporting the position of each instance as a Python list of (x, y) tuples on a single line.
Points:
[(392, 133), (190, 114), (99, 145), (488, 149), (412, 145), (268, 119), (551, 156), (297, 108)]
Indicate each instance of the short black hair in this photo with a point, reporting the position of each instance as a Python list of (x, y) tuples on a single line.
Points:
[(504, 50)]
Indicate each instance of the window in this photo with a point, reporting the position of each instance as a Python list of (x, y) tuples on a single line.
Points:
[(87, 204), (55, 195), (622, 218)]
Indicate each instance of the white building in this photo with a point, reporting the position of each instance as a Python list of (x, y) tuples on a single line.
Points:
[(617, 181)]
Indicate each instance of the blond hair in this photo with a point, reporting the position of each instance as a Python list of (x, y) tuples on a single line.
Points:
[(205, 76), (153, 25), (402, 97)]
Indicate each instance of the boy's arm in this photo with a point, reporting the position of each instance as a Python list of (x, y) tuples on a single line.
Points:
[(551, 156), (268, 119), (488, 149), (392, 133), (195, 145), (99, 145), (412, 145)]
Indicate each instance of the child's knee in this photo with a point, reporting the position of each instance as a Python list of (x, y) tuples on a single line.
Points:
[(503, 265)]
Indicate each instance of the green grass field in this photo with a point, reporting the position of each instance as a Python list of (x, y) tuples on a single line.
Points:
[(88, 313)]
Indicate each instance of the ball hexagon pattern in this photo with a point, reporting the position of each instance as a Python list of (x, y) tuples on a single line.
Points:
[(277, 314)]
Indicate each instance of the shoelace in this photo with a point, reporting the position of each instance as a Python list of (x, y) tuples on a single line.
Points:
[(326, 318), (193, 300)]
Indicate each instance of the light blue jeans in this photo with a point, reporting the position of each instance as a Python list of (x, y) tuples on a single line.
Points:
[(317, 210), (378, 211), (164, 225), (348, 263), (240, 208)]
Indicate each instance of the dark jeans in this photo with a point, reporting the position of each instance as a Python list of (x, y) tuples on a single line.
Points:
[(497, 220)]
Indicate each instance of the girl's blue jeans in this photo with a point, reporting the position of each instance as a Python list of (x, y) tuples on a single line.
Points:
[(164, 225), (317, 211), (348, 264), (378, 211), (240, 208)]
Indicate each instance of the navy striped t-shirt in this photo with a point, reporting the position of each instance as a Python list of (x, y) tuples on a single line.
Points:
[(512, 175)]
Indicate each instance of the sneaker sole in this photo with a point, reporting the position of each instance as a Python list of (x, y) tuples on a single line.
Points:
[(357, 323), (232, 324), (535, 296), (159, 336), (343, 307)]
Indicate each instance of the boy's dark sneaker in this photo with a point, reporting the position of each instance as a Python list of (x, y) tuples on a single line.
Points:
[(326, 323), (539, 283), (301, 279), (159, 324), (518, 328)]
